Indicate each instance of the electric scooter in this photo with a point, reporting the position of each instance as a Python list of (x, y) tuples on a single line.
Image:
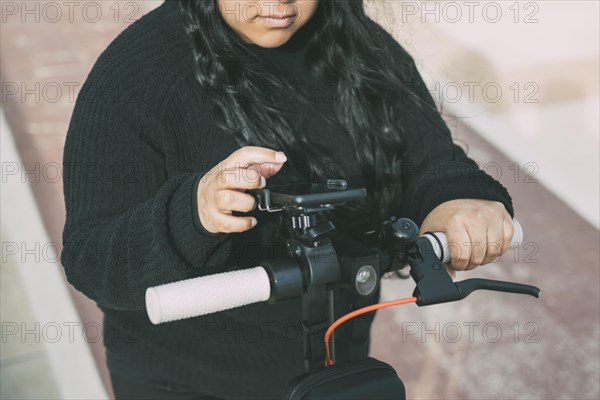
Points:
[(319, 260)]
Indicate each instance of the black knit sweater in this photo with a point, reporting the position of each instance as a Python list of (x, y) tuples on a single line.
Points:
[(141, 135)]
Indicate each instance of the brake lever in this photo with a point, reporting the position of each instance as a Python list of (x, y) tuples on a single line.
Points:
[(435, 286)]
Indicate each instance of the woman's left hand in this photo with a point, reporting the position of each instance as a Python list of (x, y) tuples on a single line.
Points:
[(478, 231)]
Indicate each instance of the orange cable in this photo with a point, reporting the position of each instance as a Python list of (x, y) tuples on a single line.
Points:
[(341, 320)]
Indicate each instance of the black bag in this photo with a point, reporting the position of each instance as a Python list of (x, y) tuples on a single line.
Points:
[(365, 379)]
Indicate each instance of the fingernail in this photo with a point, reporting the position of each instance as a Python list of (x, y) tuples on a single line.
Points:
[(263, 181), (254, 222), (279, 156)]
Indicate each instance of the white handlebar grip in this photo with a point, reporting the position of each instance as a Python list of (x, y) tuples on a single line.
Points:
[(207, 294), (516, 240)]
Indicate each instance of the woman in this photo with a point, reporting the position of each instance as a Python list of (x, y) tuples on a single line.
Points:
[(197, 102)]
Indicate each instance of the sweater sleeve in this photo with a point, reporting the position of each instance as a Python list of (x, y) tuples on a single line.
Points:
[(435, 170), (130, 224)]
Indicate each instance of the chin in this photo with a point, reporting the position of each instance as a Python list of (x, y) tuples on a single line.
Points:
[(273, 39)]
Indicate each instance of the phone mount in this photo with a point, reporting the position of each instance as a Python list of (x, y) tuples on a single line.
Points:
[(322, 259), (326, 258)]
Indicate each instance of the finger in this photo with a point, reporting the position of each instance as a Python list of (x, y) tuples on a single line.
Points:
[(266, 169), (476, 246), (459, 253), (240, 179), (231, 200), (249, 155), (493, 245), (229, 224), (508, 230)]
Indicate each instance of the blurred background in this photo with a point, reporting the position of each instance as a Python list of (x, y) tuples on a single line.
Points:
[(517, 81)]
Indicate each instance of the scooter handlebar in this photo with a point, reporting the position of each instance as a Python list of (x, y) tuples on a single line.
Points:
[(442, 248), (224, 291), (207, 294)]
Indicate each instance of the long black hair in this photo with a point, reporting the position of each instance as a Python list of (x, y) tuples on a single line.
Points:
[(343, 49)]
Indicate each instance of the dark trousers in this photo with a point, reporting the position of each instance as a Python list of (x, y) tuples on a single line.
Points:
[(130, 384)]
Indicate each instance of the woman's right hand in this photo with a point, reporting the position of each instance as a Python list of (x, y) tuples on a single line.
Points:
[(221, 190)]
